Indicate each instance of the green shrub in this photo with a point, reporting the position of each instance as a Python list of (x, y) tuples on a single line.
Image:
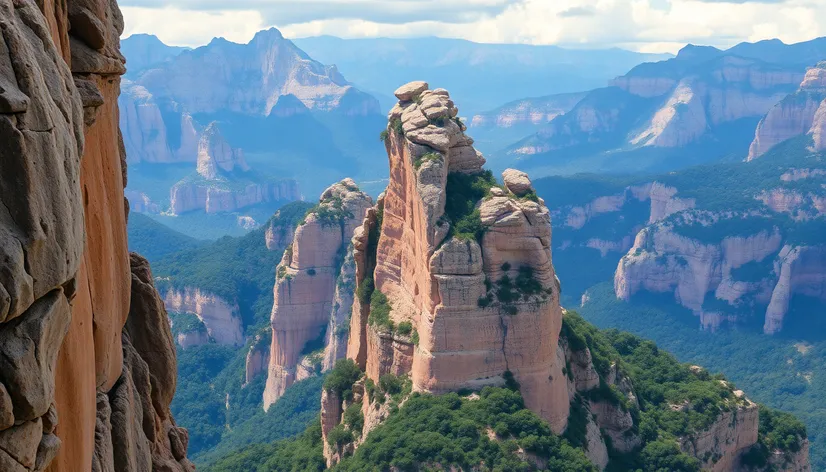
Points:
[(311, 272), (463, 193), (339, 436), (380, 311), (384, 135), (340, 380), (354, 418), (404, 328)]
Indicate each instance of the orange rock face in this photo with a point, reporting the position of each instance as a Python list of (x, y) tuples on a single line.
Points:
[(306, 281), (77, 391), (463, 334)]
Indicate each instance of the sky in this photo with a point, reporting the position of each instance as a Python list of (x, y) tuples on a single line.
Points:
[(639, 25)]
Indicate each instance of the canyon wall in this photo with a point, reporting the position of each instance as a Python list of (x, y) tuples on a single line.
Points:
[(305, 289), (726, 279), (88, 364), (221, 318), (802, 112)]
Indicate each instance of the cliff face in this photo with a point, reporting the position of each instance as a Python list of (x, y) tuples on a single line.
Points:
[(305, 289), (222, 319), (723, 280), (434, 284), (89, 368), (803, 112), (223, 181)]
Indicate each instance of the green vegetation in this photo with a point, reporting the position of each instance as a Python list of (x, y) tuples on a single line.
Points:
[(329, 212), (380, 312), (525, 288), (154, 240), (449, 430), (340, 380), (302, 454), (779, 379), (430, 156), (384, 135), (186, 323), (206, 375), (463, 193), (405, 328)]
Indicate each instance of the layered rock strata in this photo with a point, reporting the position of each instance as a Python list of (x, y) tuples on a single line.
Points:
[(305, 293), (80, 388)]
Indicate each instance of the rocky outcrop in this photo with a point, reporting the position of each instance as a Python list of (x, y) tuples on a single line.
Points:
[(221, 318), (434, 314), (800, 271), (141, 203), (278, 236), (719, 446), (803, 112), (223, 181), (258, 357), (305, 288), (82, 386)]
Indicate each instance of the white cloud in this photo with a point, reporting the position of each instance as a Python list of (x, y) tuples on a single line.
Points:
[(190, 27), (644, 25)]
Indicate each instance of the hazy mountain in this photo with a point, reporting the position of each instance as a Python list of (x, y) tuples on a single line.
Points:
[(701, 106), (480, 76), (145, 50)]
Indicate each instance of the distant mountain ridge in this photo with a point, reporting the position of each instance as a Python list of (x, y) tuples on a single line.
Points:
[(482, 76), (704, 102)]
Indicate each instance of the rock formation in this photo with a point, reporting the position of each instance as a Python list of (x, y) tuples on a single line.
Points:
[(802, 112), (223, 181), (306, 295), (88, 362), (221, 318), (442, 309)]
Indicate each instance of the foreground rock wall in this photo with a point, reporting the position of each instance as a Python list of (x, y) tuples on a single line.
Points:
[(68, 401)]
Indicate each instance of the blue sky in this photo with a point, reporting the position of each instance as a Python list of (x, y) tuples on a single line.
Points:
[(642, 25)]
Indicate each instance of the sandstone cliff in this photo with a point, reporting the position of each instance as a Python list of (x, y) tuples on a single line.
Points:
[(150, 134), (221, 318), (223, 181), (306, 295), (89, 364), (802, 112), (726, 279)]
